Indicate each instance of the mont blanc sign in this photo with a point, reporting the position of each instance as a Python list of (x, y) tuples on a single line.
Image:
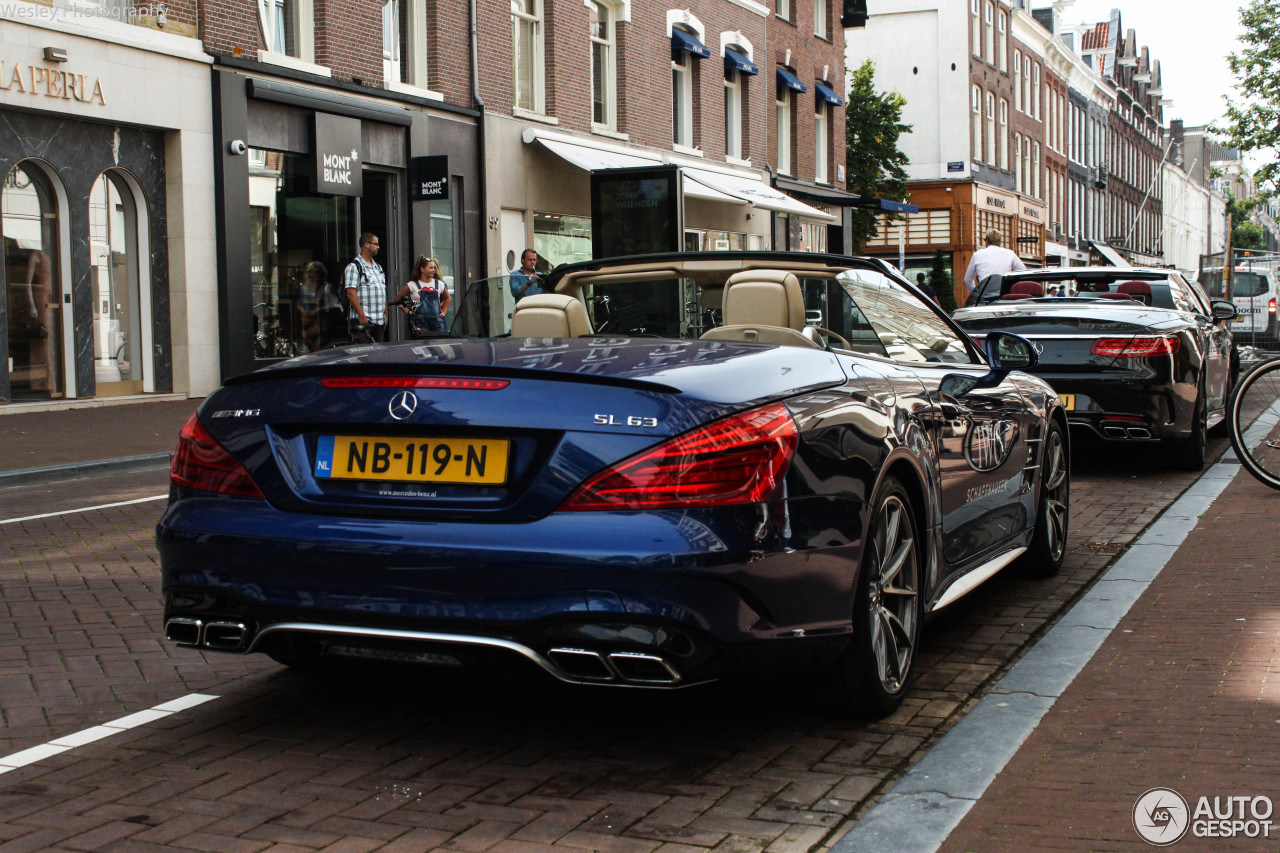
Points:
[(339, 159)]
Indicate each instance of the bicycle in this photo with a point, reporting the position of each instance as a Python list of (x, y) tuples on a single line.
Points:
[(1253, 412)]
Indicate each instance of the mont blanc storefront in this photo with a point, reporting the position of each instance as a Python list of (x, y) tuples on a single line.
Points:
[(88, 138)]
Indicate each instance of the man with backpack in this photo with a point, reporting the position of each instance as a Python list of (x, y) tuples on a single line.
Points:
[(366, 286)]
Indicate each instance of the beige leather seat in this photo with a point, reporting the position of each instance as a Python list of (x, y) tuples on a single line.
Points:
[(765, 306), (550, 315)]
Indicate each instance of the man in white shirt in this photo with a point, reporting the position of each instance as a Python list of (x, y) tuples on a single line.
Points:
[(990, 261)]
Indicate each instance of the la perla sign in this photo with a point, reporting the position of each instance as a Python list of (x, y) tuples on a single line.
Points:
[(40, 81)]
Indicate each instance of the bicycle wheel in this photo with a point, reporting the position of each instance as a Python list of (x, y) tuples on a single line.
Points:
[(1254, 414)]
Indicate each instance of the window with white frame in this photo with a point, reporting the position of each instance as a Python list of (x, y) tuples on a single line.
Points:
[(1035, 169), (975, 36), (821, 14), (527, 54), (782, 122), (682, 98), (733, 101), (784, 9), (603, 65), (1017, 162), (975, 122), (821, 124), (1035, 90), (414, 62), (1026, 85), (1004, 133), (1026, 166), (391, 40), (991, 129), (1017, 80), (988, 18), (279, 26), (1002, 41)]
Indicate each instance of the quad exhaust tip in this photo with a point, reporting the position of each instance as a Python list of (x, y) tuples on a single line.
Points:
[(630, 667), (196, 633)]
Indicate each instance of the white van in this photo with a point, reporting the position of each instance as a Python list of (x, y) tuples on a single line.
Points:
[(1255, 290)]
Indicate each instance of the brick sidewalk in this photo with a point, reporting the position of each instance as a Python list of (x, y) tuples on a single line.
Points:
[(1184, 694)]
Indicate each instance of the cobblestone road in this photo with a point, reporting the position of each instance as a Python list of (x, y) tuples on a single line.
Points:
[(282, 761)]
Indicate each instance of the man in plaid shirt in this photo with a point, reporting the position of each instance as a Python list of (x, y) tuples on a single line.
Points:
[(366, 286)]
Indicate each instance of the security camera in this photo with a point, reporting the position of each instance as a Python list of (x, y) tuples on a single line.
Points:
[(237, 146)]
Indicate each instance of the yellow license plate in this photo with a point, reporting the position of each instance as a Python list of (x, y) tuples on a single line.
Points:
[(413, 460), (1068, 401)]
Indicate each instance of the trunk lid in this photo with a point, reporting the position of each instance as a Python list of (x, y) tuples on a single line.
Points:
[(564, 410)]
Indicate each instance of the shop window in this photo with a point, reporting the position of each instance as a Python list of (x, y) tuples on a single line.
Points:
[(116, 269), (31, 225), (442, 234), (527, 54), (300, 243), (603, 64), (559, 238)]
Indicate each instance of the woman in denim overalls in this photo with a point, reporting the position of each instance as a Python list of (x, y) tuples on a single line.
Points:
[(429, 298)]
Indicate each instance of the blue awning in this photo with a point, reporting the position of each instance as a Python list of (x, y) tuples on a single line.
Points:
[(826, 93), (791, 81), (734, 61), (680, 40)]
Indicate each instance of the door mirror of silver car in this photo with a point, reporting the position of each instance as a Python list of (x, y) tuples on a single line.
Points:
[(1223, 310)]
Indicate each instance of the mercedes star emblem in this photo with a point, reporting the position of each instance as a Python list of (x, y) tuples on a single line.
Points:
[(403, 405)]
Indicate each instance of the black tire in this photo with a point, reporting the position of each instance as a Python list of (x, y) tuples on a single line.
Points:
[(1190, 453), (1048, 549), (872, 675), (1253, 403)]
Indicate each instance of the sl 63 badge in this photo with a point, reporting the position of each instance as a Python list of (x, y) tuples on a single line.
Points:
[(625, 420)]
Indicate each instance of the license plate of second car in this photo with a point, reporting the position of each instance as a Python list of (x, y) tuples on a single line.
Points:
[(415, 459), (1068, 401)]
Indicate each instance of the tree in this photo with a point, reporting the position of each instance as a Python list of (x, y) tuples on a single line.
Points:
[(873, 123), (1253, 123), (1245, 233), (941, 284)]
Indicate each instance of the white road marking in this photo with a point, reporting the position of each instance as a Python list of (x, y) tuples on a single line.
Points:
[(95, 733), (82, 509)]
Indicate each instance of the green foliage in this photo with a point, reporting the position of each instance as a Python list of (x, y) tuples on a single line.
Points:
[(1245, 233), (1253, 123), (941, 283), (876, 167)]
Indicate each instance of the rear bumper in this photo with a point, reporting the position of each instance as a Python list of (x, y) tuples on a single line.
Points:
[(662, 600), (1126, 407)]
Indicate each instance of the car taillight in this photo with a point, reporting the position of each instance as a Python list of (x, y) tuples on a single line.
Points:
[(201, 463), (1271, 307), (1140, 347), (736, 460)]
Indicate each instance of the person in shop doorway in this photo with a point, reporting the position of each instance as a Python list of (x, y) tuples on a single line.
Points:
[(39, 318), (925, 287), (366, 286), (993, 259), (526, 281), (428, 298)]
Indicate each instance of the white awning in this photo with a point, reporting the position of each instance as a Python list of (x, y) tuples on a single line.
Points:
[(1111, 255), (756, 192), (594, 159)]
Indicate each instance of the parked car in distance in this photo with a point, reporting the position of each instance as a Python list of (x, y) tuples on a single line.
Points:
[(1137, 355), (644, 510), (1255, 291)]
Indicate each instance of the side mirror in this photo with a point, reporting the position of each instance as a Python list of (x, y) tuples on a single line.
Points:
[(1005, 352), (1224, 310)]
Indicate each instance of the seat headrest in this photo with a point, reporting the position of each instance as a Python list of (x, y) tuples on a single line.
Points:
[(550, 315), (764, 297), (1011, 297), (1031, 288), (1139, 290)]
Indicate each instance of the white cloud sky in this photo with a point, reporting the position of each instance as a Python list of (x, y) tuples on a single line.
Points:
[(1190, 38)]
